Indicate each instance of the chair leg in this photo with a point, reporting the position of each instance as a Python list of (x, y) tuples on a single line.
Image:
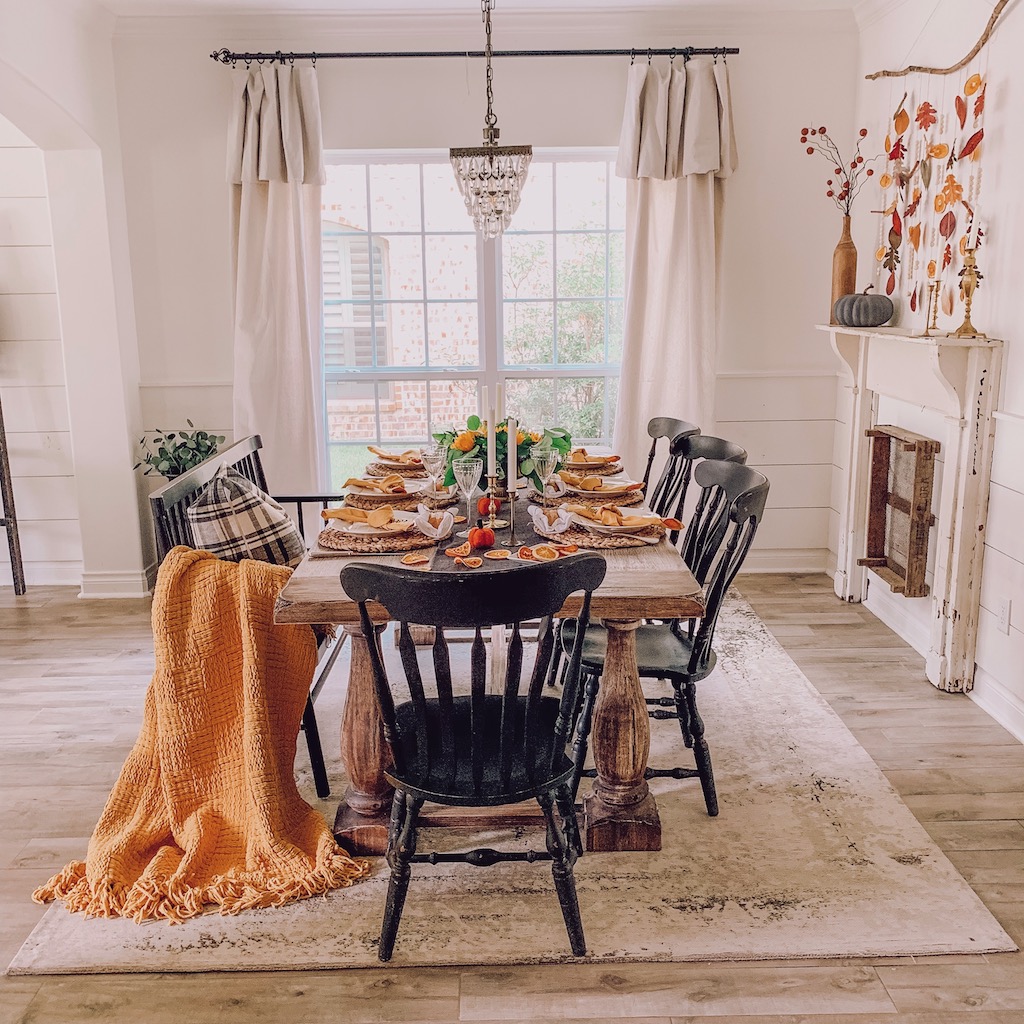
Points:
[(683, 716), (401, 847), (701, 753), (556, 655), (316, 753), (562, 857)]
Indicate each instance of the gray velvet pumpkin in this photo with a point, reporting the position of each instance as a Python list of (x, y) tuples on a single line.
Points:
[(862, 309)]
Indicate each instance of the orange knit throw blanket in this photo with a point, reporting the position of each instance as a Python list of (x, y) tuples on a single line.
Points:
[(206, 810)]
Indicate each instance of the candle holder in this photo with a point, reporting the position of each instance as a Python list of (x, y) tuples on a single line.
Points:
[(970, 276), (932, 310), (492, 504)]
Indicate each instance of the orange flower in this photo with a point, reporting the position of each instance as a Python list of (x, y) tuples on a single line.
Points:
[(535, 436), (520, 437), (465, 441)]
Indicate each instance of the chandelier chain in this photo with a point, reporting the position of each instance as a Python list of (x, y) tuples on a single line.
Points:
[(491, 119)]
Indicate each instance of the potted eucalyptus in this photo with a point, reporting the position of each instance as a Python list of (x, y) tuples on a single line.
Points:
[(170, 453)]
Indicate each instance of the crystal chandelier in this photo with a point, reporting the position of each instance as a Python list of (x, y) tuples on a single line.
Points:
[(490, 177)]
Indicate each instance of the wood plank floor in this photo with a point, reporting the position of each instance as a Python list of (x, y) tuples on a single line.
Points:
[(72, 677)]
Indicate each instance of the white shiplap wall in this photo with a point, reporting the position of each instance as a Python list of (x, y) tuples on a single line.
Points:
[(32, 373)]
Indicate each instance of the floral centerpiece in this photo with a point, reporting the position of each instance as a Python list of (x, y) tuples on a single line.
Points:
[(471, 442)]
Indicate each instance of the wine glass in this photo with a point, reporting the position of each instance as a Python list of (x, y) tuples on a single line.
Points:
[(435, 458), (467, 476), (545, 459)]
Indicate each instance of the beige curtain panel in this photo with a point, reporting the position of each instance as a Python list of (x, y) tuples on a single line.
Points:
[(276, 172), (676, 147)]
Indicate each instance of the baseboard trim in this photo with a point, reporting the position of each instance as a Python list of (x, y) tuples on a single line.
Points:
[(104, 585), (1002, 706), (893, 611), (786, 560), (45, 574)]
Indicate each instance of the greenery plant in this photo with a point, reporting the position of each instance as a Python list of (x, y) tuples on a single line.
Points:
[(171, 453)]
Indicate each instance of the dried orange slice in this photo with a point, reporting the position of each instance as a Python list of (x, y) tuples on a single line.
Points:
[(567, 549), (972, 85), (470, 563), (545, 553), (415, 558), (525, 553), (671, 524), (498, 553), (459, 552), (460, 519)]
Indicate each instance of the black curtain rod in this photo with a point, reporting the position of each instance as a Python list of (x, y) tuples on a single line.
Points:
[(226, 56)]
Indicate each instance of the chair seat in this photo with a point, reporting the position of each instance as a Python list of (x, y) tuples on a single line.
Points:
[(446, 775), (660, 652)]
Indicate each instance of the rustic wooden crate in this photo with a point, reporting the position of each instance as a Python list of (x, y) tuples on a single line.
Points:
[(899, 508)]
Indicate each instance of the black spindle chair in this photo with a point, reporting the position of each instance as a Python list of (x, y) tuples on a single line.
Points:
[(728, 512), (662, 497), (170, 504), (687, 450), (473, 748)]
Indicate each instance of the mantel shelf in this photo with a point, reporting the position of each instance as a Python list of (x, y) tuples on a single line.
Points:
[(935, 371)]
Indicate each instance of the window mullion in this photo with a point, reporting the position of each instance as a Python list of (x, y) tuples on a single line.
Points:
[(489, 287)]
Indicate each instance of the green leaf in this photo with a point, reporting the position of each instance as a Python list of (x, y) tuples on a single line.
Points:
[(473, 423), (526, 467)]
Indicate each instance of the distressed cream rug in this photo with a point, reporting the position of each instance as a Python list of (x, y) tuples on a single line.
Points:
[(813, 855)]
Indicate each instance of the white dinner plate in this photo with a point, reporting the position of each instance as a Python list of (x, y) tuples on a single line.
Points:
[(411, 487), (589, 524)]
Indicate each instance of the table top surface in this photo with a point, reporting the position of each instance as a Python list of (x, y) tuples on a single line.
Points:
[(648, 582)]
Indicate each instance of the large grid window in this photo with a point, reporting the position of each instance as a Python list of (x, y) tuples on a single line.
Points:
[(420, 314)]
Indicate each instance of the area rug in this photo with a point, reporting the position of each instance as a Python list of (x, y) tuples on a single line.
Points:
[(813, 855)]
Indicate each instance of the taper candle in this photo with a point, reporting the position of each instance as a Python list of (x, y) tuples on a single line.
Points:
[(512, 470)]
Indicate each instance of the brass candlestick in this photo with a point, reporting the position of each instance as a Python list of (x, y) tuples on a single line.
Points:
[(932, 311), (492, 504), (970, 276)]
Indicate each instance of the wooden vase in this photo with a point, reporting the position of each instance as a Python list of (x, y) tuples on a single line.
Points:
[(844, 268)]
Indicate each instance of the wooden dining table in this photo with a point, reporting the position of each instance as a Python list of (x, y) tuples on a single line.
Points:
[(620, 813)]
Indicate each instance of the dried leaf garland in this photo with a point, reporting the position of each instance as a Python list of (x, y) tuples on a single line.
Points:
[(901, 120), (890, 285), (898, 150), (961, 110), (939, 151), (914, 233), (979, 103), (947, 301), (947, 256), (947, 226), (972, 85), (913, 301), (972, 143), (926, 116), (926, 173)]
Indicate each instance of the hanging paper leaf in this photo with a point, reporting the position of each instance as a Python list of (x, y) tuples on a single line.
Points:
[(969, 209), (947, 301), (972, 85), (948, 224), (888, 143), (898, 149), (890, 285), (913, 301), (947, 256), (952, 190), (979, 103), (901, 122), (912, 208), (926, 173), (897, 224), (926, 116), (972, 143), (915, 235), (961, 110)]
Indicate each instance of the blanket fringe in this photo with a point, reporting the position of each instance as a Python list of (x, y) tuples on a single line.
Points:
[(174, 900)]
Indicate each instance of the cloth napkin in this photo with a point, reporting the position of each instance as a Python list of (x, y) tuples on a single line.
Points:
[(423, 524), (541, 524)]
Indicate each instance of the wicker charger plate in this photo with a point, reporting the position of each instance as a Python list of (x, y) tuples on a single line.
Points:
[(629, 498), (602, 541), (606, 469), (389, 468), (361, 544), (403, 502)]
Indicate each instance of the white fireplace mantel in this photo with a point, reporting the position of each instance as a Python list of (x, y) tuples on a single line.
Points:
[(959, 378)]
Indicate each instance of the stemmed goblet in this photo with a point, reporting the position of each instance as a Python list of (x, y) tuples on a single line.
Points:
[(467, 476), (545, 460), (435, 458)]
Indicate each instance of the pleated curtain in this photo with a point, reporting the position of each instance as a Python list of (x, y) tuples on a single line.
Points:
[(676, 147), (276, 172)]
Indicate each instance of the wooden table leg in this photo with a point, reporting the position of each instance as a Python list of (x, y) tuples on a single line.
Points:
[(361, 824), (620, 813)]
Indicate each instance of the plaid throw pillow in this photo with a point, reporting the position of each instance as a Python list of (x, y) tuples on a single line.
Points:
[(234, 519)]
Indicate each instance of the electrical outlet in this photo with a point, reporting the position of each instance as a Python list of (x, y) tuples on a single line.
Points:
[(1003, 614)]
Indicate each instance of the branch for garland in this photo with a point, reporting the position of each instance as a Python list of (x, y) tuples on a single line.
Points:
[(996, 11)]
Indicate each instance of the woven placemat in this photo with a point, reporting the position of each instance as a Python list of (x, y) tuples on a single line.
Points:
[(388, 468), (602, 541), (629, 498), (607, 470), (403, 502), (339, 543)]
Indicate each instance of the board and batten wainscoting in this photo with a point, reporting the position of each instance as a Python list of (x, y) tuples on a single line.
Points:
[(786, 421), (32, 372)]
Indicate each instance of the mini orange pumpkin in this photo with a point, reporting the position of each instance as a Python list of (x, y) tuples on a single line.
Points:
[(483, 506), (481, 536)]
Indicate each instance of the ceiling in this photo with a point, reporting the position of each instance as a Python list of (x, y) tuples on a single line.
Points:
[(279, 7)]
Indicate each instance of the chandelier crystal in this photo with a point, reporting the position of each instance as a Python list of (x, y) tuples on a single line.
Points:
[(490, 177)]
